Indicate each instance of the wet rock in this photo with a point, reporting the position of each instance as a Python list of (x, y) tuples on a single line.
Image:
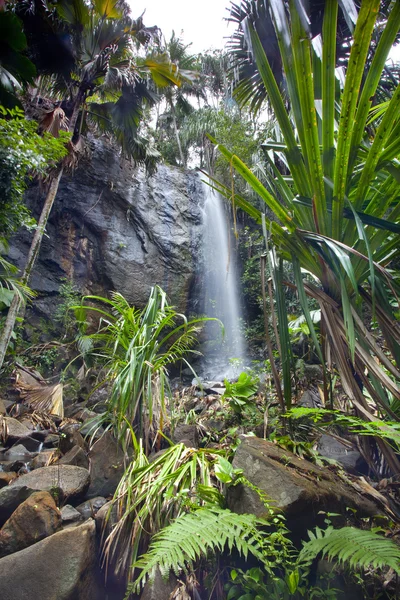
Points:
[(76, 456), (70, 515), (35, 519), (160, 588), (72, 482), (91, 507), (310, 399), (141, 231), (10, 498), (15, 429), (106, 518), (106, 466), (71, 437), (186, 434), (43, 459), (60, 567), (343, 452), (51, 440), (30, 443), (12, 465), (6, 478), (297, 487), (18, 452)]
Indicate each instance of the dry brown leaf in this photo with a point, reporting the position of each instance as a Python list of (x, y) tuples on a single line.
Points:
[(44, 398)]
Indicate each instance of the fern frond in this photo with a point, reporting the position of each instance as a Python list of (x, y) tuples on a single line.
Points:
[(192, 535), (356, 547)]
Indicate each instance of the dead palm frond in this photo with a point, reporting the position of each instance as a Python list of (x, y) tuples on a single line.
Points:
[(37, 394)]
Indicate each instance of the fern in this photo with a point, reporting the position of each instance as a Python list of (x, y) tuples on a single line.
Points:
[(356, 547), (192, 535)]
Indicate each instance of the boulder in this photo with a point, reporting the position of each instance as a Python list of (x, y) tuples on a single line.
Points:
[(10, 498), (76, 456), (43, 458), (106, 466), (343, 452), (72, 482), (60, 567), (159, 588), (30, 443), (70, 515), (6, 478), (17, 452), (186, 434), (71, 437), (3, 408), (35, 519), (52, 440), (297, 487), (91, 507), (15, 429)]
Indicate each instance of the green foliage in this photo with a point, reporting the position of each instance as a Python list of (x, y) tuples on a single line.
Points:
[(69, 296), (332, 186), (191, 536), (240, 392), (354, 547), (24, 154), (15, 68), (151, 494), (385, 430), (136, 348)]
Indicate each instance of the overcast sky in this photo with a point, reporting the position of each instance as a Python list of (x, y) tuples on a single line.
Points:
[(201, 20)]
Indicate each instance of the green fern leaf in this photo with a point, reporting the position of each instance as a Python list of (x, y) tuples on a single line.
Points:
[(356, 547), (192, 535)]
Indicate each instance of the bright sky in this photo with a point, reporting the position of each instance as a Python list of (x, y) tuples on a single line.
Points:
[(201, 20)]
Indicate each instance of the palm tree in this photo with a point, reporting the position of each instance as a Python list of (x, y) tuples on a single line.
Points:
[(84, 54), (177, 98), (337, 214)]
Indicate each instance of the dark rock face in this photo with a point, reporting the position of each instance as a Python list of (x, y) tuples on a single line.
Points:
[(112, 228), (60, 567), (35, 519)]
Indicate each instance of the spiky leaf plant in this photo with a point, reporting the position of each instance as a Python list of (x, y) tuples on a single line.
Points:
[(336, 201), (356, 548), (152, 494), (136, 347)]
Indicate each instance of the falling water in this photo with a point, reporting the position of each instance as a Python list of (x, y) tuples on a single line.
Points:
[(220, 291)]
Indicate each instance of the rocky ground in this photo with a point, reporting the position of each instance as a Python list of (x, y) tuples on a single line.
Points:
[(55, 490)]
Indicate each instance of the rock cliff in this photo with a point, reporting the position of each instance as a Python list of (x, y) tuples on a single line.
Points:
[(112, 228)]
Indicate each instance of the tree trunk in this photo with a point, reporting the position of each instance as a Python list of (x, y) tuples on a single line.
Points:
[(182, 158), (30, 262), (37, 240)]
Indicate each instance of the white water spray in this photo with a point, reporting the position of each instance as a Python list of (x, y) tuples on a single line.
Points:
[(221, 290)]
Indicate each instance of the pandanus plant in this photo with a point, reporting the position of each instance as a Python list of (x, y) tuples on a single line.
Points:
[(335, 204)]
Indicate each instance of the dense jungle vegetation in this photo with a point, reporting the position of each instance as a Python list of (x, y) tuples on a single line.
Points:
[(297, 125)]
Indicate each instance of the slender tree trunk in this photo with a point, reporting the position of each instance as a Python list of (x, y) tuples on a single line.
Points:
[(36, 242), (30, 262), (182, 158)]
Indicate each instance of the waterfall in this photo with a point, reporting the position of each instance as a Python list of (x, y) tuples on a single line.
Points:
[(221, 293)]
